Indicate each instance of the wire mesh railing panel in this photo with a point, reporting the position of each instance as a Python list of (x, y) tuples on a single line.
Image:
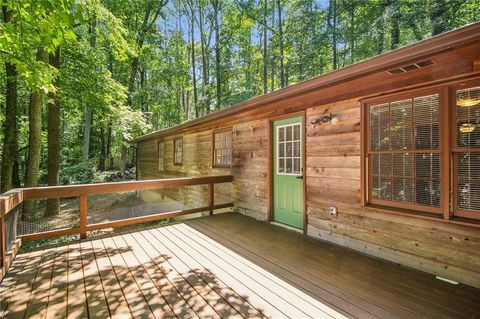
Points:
[(38, 216), (120, 206), (223, 193), (11, 224)]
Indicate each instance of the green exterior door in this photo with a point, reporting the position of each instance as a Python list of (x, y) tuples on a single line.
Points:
[(287, 172)]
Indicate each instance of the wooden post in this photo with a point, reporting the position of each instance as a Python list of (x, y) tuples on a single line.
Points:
[(3, 243), (83, 216), (211, 197)]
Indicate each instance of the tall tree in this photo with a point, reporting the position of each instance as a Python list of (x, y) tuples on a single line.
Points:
[(53, 141), (89, 107), (35, 129), (218, 75), (395, 24), (192, 55), (203, 44), (265, 47), (332, 23), (281, 43), (10, 131)]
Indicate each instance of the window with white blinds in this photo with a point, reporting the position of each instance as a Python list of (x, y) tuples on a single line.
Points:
[(178, 151), (404, 153), (222, 148), (161, 156), (467, 152)]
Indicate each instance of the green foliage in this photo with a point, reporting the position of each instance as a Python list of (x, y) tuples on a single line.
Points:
[(46, 24), (81, 173)]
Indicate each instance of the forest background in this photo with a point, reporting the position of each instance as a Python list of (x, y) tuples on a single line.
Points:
[(80, 78)]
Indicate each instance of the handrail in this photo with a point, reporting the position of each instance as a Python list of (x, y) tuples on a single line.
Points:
[(14, 197), (109, 188), (10, 200)]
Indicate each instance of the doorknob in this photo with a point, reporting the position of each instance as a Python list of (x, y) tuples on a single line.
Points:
[(300, 177)]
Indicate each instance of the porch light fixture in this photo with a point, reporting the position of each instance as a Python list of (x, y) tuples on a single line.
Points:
[(324, 119), (467, 128)]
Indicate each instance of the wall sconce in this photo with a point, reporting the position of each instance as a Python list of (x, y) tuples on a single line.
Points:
[(324, 119)]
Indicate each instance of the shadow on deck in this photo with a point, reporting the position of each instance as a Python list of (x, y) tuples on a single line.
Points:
[(225, 265)]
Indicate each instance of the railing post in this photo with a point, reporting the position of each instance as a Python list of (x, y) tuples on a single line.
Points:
[(3, 244), (83, 216), (211, 197)]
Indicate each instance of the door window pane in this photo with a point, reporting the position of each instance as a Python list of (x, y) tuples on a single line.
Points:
[(289, 149)]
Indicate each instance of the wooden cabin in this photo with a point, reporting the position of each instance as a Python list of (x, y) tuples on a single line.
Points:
[(382, 156)]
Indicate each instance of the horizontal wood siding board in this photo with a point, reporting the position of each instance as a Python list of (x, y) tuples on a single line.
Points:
[(333, 179), (468, 276)]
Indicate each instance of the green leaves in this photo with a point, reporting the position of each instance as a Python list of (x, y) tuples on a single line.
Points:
[(36, 25)]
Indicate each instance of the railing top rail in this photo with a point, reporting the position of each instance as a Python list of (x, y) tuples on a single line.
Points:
[(10, 199)]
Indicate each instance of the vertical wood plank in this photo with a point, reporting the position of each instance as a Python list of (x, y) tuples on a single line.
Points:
[(211, 197), (363, 159), (83, 216), (3, 244), (445, 118)]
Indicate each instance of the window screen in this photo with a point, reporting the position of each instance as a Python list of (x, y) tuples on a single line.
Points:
[(161, 156), (404, 156), (467, 157), (222, 153), (178, 151)]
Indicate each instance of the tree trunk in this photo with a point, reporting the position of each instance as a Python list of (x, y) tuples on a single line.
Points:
[(34, 136), (437, 16), (101, 160), (332, 22), (352, 32), (395, 27), (123, 159), (265, 48), (217, 53), (204, 58), (280, 35), (381, 37), (10, 130), (109, 146), (272, 69), (194, 71), (89, 111), (86, 133), (53, 142)]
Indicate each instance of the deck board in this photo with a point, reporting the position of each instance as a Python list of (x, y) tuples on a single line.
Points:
[(221, 266), (57, 295), (76, 296), (151, 262)]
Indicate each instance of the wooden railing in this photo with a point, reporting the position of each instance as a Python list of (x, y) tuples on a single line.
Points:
[(10, 200)]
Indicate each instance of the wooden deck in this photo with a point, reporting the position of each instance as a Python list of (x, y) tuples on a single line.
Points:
[(225, 265)]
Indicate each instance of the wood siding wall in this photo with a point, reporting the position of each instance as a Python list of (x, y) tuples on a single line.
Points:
[(333, 179), (249, 160)]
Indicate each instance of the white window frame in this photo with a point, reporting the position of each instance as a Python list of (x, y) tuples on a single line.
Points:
[(292, 157)]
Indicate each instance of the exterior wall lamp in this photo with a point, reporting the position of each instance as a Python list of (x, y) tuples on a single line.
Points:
[(324, 119)]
